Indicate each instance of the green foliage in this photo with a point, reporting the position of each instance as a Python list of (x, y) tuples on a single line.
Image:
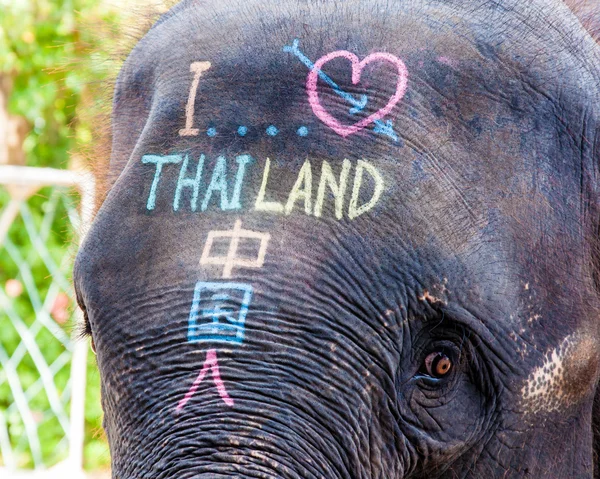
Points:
[(58, 54), (23, 261)]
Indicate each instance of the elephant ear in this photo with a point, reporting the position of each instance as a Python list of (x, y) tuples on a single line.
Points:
[(588, 12)]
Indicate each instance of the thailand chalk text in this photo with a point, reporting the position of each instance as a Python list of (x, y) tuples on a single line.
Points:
[(223, 187)]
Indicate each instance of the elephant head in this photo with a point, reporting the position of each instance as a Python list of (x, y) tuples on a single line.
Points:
[(351, 240)]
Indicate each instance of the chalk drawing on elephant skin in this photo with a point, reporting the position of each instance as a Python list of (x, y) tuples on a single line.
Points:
[(218, 186), (302, 191), (315, 73), (218, 315), (197, 68), (376, 118), (210, 364), (218, 312), (219, 309), (231, 260), (225, 191)]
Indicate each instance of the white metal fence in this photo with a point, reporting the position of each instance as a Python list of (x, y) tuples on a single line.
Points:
[(42, 364)]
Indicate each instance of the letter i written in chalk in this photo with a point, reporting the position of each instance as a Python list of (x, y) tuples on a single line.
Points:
[(197, 68)]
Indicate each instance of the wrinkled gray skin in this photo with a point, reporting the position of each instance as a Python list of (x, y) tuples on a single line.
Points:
[(480, 250)]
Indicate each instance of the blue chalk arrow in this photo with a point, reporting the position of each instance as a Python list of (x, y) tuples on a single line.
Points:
[(384, 128)]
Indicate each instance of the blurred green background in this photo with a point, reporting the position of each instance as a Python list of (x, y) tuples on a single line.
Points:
[(57, 60)]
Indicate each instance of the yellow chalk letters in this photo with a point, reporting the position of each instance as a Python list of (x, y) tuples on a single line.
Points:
[(261, 204), (354, 210), (304, 178), (337, 189), (302, 190)]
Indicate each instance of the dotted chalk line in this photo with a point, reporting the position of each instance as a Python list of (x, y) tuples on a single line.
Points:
[(271, 130)]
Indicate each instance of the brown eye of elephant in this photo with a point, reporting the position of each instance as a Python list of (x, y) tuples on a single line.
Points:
[(438, 365)]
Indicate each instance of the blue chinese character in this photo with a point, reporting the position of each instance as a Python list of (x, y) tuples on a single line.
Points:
[(219, 312)]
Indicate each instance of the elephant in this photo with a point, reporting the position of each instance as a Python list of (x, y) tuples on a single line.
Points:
[(351, 239)]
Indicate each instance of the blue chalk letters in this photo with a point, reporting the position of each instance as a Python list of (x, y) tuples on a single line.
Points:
[(193, 183), (242, 161), (159, 161), (219, 312), (218, 185), (218, 182)]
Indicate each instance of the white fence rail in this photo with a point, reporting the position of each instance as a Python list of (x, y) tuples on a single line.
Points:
[(42, 365)]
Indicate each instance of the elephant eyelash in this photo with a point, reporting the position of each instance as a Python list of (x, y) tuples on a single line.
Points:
[(83, 329)]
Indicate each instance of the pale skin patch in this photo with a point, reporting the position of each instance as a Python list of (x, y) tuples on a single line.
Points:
[(435, 297), (427, 296), (565, 376)]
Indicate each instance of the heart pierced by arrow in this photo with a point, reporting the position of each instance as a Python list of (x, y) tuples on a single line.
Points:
[(357, 68), (211, 363), (380, 126)]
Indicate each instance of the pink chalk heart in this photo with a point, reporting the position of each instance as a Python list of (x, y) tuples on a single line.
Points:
[(357, 68)]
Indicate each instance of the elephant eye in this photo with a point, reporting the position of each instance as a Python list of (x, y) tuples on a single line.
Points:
[(437, 365)]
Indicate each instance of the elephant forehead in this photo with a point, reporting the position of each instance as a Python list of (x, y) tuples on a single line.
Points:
[(404, 136), (243, 156)]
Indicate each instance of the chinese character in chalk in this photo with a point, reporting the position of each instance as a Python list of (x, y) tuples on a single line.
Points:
[(211, 364), (231, 259), (219, 312)]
